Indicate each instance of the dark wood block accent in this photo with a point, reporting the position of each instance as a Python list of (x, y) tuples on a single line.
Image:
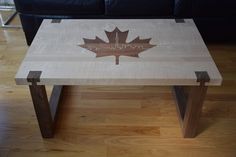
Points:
[(56, 21), (34, 76), (179, 21), (202, 77)]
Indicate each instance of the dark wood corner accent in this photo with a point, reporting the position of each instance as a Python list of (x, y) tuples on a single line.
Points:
[(45, 110), (34, 76), (117, 45), (179, 21), (56, 21), (189, 104), (202, 77)]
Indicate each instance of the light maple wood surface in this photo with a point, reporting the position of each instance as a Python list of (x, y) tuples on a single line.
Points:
[(178, 53), (108, 121)]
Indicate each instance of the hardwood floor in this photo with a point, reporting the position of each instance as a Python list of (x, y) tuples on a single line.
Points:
[(98, 121)]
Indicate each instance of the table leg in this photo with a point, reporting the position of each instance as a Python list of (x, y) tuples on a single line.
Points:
[(189, 104), (45, 110)]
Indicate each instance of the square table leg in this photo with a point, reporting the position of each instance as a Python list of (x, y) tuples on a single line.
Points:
[(45, 110), (189, 104)]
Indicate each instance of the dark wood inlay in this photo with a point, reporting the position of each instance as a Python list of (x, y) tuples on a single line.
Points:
[(34, 76), (56, 21), (179, 21), (202, 76), (117, 45)]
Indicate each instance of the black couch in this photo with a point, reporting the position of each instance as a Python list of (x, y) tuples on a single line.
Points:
[(215, 19)]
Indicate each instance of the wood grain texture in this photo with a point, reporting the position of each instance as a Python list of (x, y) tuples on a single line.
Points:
[(103, 121), (181, 101), (193, 110), (45, 110), (173, 52), (189, 104), (55, 100), (42, 110)]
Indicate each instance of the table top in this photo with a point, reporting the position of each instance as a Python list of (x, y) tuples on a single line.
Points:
[(118, 52)]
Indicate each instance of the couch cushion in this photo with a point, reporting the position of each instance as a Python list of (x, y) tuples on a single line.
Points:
[(214, 8), (179, 7), (205, 8), (139, 7), (60, 7)]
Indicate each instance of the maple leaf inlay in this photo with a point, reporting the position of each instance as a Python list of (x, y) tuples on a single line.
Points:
[(117, 45)]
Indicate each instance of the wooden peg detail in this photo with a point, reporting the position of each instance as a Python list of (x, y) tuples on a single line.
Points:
[(179, 21), (56, 21)]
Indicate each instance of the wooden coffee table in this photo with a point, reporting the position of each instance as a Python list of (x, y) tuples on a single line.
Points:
[(159, 52)]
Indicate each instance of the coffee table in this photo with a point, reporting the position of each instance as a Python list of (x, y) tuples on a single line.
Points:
[(158, 52)]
